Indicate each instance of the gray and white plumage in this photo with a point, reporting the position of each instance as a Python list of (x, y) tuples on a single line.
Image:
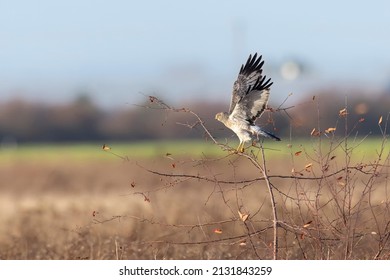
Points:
[(249, 100)]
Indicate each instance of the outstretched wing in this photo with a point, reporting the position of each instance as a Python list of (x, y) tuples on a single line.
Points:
[(250, 91)]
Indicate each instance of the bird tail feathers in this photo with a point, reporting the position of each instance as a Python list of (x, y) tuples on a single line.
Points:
[(260, 132)]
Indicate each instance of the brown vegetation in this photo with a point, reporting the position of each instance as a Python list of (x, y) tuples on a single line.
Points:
[(321, 200)]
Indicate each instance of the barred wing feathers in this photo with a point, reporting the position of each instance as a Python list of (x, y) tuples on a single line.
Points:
[(250, 91)]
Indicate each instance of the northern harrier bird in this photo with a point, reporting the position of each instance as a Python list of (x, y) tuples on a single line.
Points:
[(249, 100)]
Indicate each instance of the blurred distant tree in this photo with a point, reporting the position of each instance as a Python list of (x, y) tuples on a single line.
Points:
[(77, 121), (83, 120)]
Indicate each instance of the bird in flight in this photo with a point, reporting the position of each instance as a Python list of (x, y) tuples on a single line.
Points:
[(249, 100)]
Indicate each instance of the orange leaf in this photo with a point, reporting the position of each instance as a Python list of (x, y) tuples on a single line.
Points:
[(298, 153), (330, 129), (307, 224), (218, 230)]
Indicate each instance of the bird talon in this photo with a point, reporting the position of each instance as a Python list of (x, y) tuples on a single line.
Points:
[(240, 150)]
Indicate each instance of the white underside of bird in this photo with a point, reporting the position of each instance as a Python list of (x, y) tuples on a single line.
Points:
[(247, 132)]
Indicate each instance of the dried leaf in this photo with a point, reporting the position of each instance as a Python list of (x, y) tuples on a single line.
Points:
[(173, 165), (330, 129), (325, 168), (314, 97), (302, 236), (243, 217), (307, 224), (315, 132), (380, 120), (339, 178), (218, 231), (341, 183), (307, 166), (242, 243), (343, 112), (168, 155), (95, 213), (333, 157), (132, 184), (298, 153), (296, 172), (106, 148)]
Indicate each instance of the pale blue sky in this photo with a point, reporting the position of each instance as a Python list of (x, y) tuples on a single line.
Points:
[(50, 50)]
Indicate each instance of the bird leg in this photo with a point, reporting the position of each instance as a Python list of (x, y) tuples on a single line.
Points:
[(240, 147)]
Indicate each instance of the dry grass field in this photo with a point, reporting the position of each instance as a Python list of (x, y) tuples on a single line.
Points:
[(331, 199)]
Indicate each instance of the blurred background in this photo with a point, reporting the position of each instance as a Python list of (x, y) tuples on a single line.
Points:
[(75, 70), (76, 74)]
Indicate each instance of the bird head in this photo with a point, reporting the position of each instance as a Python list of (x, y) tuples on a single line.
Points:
[(222, 117)]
